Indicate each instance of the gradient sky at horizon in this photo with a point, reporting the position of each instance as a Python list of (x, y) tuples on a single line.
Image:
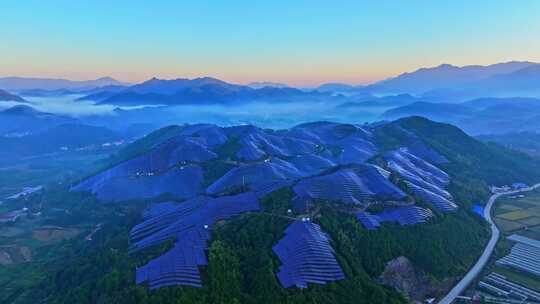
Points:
[(297, 42)]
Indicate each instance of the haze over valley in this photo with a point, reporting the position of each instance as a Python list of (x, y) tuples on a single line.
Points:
[(202, 152)]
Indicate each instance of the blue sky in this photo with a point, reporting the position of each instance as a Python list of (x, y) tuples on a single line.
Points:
[(298, 42)]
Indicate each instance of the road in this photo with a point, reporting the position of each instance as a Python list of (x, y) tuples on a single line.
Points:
[(484, 258)]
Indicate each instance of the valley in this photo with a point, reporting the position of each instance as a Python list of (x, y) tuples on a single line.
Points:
[(199, 190), (363, 169), (268, 152)]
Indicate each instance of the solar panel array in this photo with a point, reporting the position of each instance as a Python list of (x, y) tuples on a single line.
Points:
[(524, 256), (178, 266), (256, 176), (368, 220), (327, 132), (349, 185), (524, 240), (211, 135), (267, 160), (418, 148), (157, 209), (188, 224), (311, 164), (405, 215), (189, 150), (256, 144), (354, 150), (322, 160), (301, 203), (499, 285), (425, 180), (306, 256), (115, 185)]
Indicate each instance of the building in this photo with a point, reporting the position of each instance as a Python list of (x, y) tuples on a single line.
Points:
[(517, 186)]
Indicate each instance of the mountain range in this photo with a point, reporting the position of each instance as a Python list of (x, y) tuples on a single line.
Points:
[(6, 96), (263, 84), (347, 173), (205, 90), (448, 83), (23, 120), (445, 76), (22, 83), (443, 83), (478, 116)]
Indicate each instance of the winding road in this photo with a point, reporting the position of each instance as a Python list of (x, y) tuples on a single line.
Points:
[(484, 258)]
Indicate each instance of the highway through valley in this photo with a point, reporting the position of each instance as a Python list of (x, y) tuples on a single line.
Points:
[(460, 287)]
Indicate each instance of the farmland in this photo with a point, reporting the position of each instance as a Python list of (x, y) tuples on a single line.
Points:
[(516, 215)]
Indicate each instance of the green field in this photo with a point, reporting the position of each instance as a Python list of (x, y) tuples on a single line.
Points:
[(41, 170), (52, 225), (521, 216)]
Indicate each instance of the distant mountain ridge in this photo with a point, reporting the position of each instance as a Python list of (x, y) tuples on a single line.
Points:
[(60, 137), (205, 90), (478, 116), (263, 84), (445, 76), (61, 92), (6, 96), (23, 120), (338, 87), (24, 83)]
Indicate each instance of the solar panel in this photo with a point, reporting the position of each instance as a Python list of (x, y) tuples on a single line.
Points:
[(425, 180), (404, 215), (256, 144), (311, 164), (355, 150), (349, 185), (188, 224), (212, 135), (158, 209), (255, 176), (115, 185), (415, 146), (306, 256)]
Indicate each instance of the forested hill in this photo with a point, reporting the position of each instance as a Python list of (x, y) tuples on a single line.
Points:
[(347, 173), (473, 164)]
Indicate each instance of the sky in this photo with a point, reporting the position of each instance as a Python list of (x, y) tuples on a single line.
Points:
[(301, 43)]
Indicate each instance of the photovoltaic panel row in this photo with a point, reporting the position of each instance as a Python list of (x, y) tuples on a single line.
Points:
[(424, 179), (405, 215), (523, 257), (256, 176), (306, 256), (350, 185), (188, 224), (114, 185), (193, 213)]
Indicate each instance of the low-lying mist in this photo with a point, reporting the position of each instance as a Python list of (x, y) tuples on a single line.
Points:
[(267, 114)]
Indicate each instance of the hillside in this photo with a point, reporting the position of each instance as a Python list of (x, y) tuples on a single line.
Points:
[(23, 120), (528, 142), (205, 90), (6, 96), (346, 178), (478, 116), (63, 137), (25, 83), (446, 76), (263, 84), (435, 111)]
